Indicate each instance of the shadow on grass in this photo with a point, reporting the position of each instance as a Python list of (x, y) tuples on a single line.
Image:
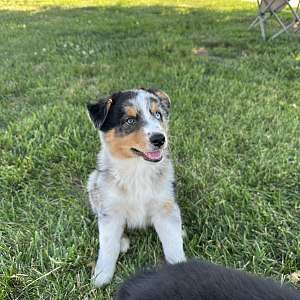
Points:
[(224, 34)]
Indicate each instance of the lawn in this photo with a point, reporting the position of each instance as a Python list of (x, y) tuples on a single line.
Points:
[(234, 136)]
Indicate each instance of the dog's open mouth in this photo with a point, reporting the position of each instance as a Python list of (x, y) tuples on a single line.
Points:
[(154, 156)]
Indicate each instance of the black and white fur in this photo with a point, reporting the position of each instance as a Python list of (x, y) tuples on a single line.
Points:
[(202, 281), (133, 184)]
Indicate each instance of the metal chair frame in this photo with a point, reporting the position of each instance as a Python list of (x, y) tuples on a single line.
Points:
[(266, 12)]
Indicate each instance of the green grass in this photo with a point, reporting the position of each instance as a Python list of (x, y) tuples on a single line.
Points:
[(234, 129)]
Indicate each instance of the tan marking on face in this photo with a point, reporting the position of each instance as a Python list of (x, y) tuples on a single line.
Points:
[(168, 206), (163, 96), (120, 146), (153, 107), (131, 111)]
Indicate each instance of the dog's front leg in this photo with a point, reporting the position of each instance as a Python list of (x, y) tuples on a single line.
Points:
[(167, 223), (110, 231)]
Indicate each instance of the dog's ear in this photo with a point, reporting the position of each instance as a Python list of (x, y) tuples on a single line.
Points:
[(99, 111), (163, 96)]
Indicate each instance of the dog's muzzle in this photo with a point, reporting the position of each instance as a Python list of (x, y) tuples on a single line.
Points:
[(157, 139)]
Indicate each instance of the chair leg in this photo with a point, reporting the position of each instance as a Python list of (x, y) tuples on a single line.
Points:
[(294, 12), (254, 23), (262, 27), (298, 18), (281, 31), (263, 17), (280, 22), (256, 20)]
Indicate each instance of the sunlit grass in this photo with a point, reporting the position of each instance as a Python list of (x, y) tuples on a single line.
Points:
[(32, 5)]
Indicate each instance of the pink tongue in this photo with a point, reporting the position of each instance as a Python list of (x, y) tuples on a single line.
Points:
[(153, 155)]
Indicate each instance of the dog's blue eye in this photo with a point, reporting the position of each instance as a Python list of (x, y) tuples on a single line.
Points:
[(157, 115), (130, 121)]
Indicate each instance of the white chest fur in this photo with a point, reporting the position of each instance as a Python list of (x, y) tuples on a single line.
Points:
[(134, 189)]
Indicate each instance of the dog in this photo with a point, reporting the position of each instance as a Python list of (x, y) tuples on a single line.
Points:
[(195, 280), (133, 184)]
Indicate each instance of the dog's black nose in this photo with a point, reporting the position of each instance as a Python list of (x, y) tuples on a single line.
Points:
[(157, 139)]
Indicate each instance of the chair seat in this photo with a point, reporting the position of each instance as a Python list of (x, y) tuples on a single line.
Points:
[(273, 5)]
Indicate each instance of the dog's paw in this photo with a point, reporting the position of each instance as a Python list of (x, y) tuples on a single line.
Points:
[(101, 278), (125, 243), (176, 258)]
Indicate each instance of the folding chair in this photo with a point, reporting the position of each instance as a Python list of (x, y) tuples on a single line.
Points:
[(270, 8)]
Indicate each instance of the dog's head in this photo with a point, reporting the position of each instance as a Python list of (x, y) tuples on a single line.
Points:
[(133, 123)]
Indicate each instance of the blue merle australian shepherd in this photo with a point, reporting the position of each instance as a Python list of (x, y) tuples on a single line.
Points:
[(133, 183)]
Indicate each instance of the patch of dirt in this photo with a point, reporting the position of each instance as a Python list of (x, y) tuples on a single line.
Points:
[(200, 51)]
